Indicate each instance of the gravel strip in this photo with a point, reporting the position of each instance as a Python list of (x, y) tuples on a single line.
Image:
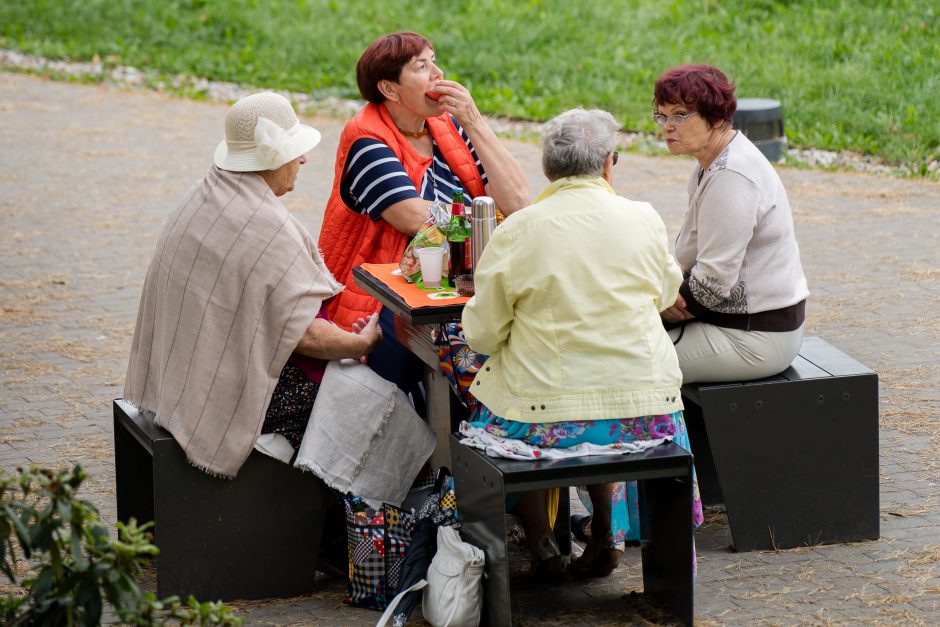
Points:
[(309, 104)]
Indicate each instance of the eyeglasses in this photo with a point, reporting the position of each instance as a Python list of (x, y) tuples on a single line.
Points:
[(614, 158), (674, 120)]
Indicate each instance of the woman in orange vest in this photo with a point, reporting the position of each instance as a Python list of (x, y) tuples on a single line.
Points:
[(417, 138)]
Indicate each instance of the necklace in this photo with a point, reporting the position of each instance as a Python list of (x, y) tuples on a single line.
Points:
[(412, 134)]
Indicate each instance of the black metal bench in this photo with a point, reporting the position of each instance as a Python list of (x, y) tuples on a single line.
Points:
[(793, 457), (252, 537), (665, 476)]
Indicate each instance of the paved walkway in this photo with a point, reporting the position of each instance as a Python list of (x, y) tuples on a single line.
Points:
[(88, 174)]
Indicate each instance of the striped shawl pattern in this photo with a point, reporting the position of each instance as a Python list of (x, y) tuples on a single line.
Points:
[(233, 284)]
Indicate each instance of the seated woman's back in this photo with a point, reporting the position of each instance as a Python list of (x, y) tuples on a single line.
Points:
[(567, 300), (584, 272), (568, 295)]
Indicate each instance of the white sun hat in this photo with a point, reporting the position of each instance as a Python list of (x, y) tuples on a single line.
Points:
[(262, 132)]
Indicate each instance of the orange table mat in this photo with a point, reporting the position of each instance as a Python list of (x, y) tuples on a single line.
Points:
[(411, 293)]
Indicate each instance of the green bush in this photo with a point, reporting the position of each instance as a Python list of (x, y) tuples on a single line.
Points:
[(74, 568)]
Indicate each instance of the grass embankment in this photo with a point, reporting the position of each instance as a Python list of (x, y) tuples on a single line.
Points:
[(861, 76)]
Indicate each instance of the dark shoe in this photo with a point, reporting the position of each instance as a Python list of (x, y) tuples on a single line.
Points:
[(547, 563), (598, 560), (581, 527)]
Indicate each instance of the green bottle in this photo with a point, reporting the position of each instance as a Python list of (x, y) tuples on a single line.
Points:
[(458, 230)]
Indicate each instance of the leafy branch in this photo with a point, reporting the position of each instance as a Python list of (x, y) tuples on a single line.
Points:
[(75, 567)]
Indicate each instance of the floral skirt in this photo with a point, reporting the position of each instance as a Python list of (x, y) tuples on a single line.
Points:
[(625, 513), (291, 403), (460, 365)]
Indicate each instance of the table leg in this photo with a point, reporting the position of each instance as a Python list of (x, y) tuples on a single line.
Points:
[(438, 408), (667, 557), (481, 499), (417, 339)]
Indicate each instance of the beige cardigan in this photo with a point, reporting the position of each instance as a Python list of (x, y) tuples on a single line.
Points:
[(233, 284)]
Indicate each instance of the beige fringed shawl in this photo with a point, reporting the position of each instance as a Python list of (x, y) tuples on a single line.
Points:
[(233, 284)]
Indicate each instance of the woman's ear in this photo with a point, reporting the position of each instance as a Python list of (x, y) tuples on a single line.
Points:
[(721, 125), (389, 90), (608, 168)]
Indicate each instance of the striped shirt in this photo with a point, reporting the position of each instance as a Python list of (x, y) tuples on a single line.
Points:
[(375, 179)]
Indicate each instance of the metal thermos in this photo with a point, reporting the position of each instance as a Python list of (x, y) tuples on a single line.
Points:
[(482, 225)]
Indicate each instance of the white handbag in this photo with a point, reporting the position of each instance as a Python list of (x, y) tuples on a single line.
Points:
[(453, 590), (454, 594)]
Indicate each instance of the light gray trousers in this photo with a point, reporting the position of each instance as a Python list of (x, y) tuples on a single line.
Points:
[(710, 353)]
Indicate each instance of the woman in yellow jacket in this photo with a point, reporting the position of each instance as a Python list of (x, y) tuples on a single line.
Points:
[(568, 296)]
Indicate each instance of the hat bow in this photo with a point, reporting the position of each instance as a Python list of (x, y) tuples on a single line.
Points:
[(275, 145)]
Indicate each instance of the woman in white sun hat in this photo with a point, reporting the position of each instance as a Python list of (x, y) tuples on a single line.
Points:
[(232, 338)]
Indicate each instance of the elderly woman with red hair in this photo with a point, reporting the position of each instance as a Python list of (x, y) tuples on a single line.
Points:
[(417, 139), (741, 307)]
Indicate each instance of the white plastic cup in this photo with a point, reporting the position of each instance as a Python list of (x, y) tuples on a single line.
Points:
[(432, 265)]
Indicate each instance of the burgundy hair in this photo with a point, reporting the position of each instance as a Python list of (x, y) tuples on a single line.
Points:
[(701, 88), (384, 59)]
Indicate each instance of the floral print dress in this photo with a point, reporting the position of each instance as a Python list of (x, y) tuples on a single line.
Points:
[(625, 513), (460, 364)]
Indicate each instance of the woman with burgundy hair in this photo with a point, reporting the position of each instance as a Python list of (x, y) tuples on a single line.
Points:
[(418, 138), (741, 306)]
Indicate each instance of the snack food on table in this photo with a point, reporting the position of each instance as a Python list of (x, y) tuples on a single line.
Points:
[(431, 233)]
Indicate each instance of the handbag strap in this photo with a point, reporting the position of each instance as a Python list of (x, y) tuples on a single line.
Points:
[(442, 473), (452, 542), (462, 587), (390, 610)]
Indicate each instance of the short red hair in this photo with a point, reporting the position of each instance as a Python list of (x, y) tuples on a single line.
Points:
[(703, 88), (384, 59)]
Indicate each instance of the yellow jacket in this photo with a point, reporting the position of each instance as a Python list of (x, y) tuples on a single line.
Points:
[(568, 295)]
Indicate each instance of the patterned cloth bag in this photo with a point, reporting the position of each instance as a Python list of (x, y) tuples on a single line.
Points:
[(438, 510), (459, 363), (377, 542), (441, 504)]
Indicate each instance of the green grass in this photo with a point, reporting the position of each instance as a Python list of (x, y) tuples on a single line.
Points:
[(859, 75)]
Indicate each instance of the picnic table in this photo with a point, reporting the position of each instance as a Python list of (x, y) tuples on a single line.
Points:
[(416, 317), (482, 483)]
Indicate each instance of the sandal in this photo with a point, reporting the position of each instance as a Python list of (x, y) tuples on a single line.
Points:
[(547, 563), (598, 560)]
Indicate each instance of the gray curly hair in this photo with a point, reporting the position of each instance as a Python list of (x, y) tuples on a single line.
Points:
[(577, 142)]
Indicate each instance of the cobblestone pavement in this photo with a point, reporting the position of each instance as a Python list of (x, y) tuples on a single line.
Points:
[(88, 174)]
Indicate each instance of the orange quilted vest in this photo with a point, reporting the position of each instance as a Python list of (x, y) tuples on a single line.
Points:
[(348, 238)]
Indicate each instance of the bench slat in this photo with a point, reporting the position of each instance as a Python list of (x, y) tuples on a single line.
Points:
[(140, 425), (802, 369), (831, 359), (254, 536), (794, 457), (522, 475)]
